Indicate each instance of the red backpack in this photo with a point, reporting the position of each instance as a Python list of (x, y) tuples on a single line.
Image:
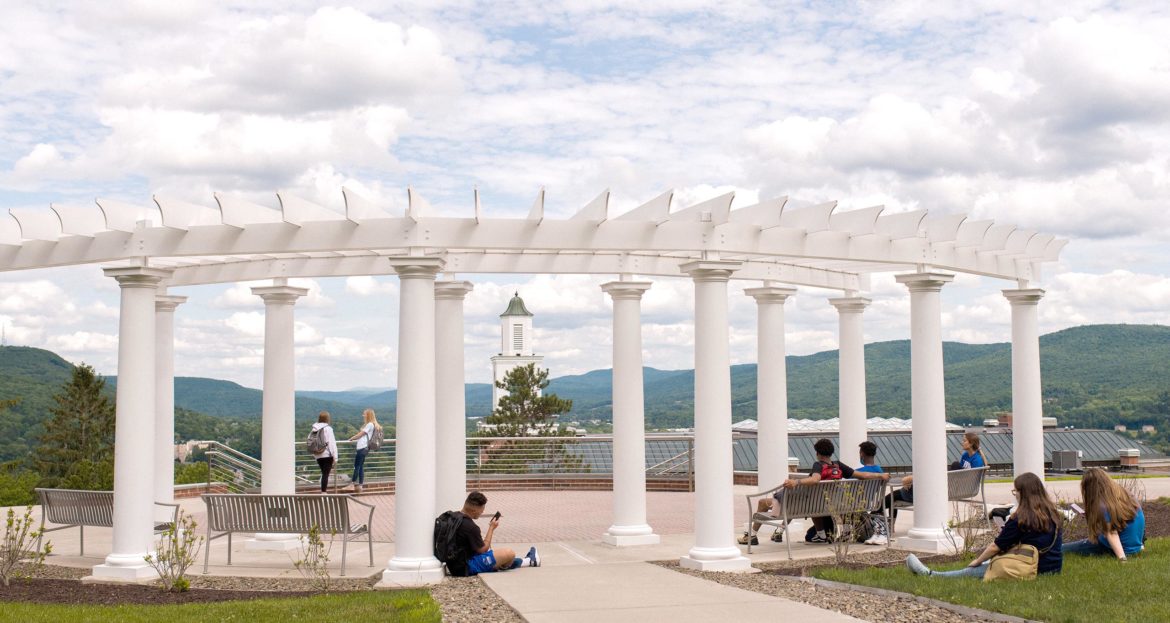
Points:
[(831, 471)]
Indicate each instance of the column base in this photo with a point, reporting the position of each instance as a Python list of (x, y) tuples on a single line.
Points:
[(627, 540), (123, 569), (928, 540), (717, 559), (409, 572), (265, 542)]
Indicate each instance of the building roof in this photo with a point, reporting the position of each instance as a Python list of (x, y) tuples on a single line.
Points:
[(516, 307), (832, 425), (894, 450)]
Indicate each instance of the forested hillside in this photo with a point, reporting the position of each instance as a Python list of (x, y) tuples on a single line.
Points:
[(1094, 376)]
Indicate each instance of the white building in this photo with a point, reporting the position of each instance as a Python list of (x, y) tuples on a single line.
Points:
[(515, 344)]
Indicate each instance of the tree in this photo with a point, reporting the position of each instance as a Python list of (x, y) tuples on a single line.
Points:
[(525, 411), (76, 450)]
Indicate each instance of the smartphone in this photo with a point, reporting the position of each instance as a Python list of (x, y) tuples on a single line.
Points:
[(496, 516)]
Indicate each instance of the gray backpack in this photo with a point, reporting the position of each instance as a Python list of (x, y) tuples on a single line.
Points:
[(315, 443), (376, 439)]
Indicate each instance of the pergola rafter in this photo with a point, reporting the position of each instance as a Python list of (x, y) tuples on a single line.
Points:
[(817, 245)]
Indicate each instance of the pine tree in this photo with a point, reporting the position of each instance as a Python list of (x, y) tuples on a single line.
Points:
[(525, 411), (77, 448)]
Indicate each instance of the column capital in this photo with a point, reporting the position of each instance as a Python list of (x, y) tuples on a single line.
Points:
[(1024, 296), (924, 282), (279, 295), (770, 294), (850, 304), (417, 267), (452, 290), (626, 289), (168, 303), (710, 270), (138, 276)]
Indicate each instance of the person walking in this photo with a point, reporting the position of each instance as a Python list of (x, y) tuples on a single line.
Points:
[(362, 448), (328, 456)]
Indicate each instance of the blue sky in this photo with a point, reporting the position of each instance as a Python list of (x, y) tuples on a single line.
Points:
[(1050, 116)]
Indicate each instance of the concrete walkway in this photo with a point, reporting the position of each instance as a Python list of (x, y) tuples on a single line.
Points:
[(638, 592)]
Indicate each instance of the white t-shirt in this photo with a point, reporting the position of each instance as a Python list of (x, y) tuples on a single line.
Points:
[(364, 440)]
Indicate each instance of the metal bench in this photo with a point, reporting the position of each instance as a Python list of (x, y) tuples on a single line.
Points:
[(962, 484), (76, 508), (284, 514), (823, 499)]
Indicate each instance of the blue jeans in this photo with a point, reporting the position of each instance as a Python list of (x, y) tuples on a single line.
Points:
[(359, 466), (1086, 547), (965, 572)]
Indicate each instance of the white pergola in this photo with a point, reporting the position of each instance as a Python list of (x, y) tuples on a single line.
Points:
[(150, 250)]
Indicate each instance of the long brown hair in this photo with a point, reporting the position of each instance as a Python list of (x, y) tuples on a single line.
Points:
[(1101, 495), (973, 439), (1036, 511)]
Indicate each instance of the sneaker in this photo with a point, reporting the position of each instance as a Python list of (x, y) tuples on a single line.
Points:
[(533, 557), (819, 537), (743, 540), (915, 566), (778, 536), (878, 539)]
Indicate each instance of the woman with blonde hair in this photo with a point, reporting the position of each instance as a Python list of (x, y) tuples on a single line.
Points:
[(1036, 522), (363, 436), (1117, 524)]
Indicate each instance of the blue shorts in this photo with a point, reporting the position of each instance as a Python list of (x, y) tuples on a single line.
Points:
[(481, 563)]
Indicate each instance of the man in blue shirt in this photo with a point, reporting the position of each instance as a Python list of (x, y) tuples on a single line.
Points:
[(881, 533)]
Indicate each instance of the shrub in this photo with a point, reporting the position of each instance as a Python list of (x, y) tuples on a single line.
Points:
[(314, 560), (176, 553), (18, 536)]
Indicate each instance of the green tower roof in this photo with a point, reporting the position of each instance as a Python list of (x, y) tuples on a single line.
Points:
[(516, 307)]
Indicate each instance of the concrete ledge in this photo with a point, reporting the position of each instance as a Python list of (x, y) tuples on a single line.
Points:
[(623, 540)]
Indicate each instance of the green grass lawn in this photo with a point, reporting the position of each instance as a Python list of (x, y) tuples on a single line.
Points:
[(1092, 589), (398, 606)]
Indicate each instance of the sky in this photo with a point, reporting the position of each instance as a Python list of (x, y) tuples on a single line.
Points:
[(1052, 116)]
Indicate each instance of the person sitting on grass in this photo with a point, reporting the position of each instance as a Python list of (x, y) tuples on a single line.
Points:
[(1036, 522), (1116, 521), (881, 533), (825, 468)]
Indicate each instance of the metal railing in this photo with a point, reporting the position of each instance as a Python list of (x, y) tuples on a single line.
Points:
[(518, 460), (230, 470), (379, 465)]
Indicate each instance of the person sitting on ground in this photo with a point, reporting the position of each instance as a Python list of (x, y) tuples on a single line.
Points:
[(825, 468), (1036, 522), (1116, 521), (868, 452), (480, 557), (971, 457)]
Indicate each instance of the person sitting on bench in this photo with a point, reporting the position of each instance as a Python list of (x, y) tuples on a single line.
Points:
[(825, 468)]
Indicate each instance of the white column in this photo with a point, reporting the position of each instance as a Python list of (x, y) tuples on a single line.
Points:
[(164, 400), (928, 413), (715, 548), (771, 384), (850, 377), (450, 397), (414, 563), (1027, 405), (278, 407), (629, 428), (134, 465)]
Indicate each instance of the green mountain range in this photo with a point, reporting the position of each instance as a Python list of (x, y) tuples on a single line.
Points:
[(1094, 376)]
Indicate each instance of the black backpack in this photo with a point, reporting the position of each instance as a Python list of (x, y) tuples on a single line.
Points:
[(446, 547)]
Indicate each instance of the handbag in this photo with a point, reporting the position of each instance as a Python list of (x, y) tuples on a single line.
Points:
[(1018, 563)]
